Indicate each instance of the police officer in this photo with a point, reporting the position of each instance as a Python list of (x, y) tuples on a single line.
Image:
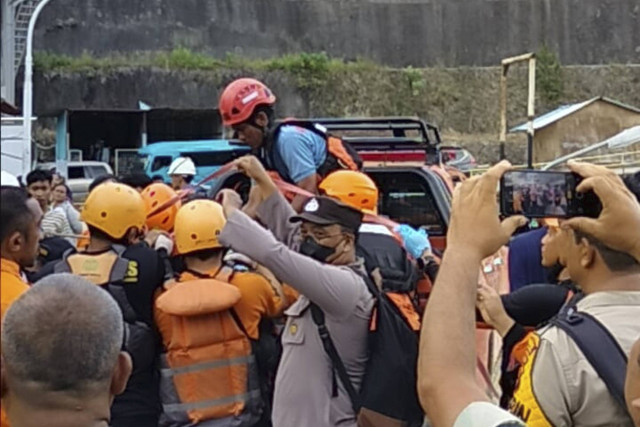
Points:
[(117, 260), (315, 253)]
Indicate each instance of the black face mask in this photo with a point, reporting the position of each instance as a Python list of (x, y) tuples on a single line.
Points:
[(315, 250)]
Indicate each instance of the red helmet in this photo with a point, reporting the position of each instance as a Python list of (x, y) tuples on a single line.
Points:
[(240, 98)]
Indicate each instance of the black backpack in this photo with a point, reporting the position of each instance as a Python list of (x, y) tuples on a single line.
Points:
[(381, 252), (340, 154), (389, 389)]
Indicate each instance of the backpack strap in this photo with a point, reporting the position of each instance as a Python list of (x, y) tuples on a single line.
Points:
[(116, 288), (599, 347), (338, 366), (316, 128), (329, 347), (271, 154)]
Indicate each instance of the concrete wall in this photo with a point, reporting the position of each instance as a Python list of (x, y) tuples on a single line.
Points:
[(392, 32), (592, 124)]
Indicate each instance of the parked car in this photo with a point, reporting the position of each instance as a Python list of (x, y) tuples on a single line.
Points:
[(458, 157), (208, 155), (80, 175)]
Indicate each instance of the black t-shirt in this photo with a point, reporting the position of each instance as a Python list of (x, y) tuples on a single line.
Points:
[(141, 395), (150, 269)]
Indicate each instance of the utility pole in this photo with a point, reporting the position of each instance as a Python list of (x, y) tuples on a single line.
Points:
[(27, 97), (531, 59), (8, 52)]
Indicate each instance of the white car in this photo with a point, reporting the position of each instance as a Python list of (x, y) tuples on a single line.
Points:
[(80, 175)]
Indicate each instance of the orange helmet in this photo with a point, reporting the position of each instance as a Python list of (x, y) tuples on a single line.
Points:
[(155, 195), (240, 98), (353, 188)]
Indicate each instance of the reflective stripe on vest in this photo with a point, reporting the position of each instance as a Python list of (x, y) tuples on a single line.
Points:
[(209, 375), (184, 407), (169, 372)]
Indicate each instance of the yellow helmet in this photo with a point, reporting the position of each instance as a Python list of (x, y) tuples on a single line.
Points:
[(352, 188), (198, 225), (114, 208)]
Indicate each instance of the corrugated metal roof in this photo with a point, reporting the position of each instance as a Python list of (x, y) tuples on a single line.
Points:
[(566, 110)]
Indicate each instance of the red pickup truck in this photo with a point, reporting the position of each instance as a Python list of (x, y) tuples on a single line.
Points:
[(401, 154)]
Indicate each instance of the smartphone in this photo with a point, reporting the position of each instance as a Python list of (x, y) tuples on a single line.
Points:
[(546, 194)]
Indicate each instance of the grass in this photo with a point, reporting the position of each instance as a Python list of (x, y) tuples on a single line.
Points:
[(317, 65)]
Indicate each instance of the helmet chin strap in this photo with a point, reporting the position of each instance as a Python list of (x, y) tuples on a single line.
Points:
[(264, 130)]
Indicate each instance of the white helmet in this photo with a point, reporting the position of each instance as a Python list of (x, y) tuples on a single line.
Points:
[(8, 180), (182, 166)]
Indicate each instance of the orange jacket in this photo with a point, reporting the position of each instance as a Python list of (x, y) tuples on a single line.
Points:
[(12, 287), (206, 323)]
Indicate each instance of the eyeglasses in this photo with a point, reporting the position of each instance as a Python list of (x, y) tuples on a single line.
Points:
[(317, 234)]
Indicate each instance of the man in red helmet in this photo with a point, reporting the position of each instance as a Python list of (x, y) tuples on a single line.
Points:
[(299, 155)]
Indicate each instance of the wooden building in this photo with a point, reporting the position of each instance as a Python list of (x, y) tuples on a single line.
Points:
[(575, 126)]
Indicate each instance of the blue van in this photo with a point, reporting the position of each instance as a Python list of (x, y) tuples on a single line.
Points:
[(208, 155)]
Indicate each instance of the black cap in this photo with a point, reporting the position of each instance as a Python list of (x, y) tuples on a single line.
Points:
[(327, 211), (53, 248)]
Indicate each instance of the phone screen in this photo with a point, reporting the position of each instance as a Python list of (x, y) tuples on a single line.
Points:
[(537, 194)]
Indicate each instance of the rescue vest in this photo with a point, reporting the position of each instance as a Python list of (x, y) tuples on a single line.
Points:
[(340, 155), (524, 404), (209, 374), (112, 272)]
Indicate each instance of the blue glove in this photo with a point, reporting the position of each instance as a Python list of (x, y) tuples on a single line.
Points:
[(415, 241)]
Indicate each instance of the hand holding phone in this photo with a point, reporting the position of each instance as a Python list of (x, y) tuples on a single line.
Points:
[(545, 194)]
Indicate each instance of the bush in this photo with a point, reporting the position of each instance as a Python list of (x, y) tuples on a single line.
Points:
[(549, 79)]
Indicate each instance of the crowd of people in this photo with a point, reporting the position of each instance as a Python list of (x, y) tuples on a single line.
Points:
[(300, 306), (540, 199)]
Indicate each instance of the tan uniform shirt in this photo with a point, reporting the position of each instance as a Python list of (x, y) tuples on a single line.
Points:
[(304, 380), (558, 386)]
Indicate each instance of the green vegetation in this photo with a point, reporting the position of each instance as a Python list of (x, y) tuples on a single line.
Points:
[(312, 72), (416, 79), (549, 79), (464, 99), (307, 65)]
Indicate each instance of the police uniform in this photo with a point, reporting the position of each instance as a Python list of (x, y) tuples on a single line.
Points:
[(303, 391), (557, 386)]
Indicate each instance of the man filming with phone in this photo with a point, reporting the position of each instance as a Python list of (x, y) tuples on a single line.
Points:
[(574, 370), (563, 388)]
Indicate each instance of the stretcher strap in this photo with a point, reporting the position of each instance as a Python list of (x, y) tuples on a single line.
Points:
[(183, 194)]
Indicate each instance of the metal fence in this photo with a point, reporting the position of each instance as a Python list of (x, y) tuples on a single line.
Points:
[(622, 163)]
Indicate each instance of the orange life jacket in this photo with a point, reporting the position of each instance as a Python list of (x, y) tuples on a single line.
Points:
[(208, 370)]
